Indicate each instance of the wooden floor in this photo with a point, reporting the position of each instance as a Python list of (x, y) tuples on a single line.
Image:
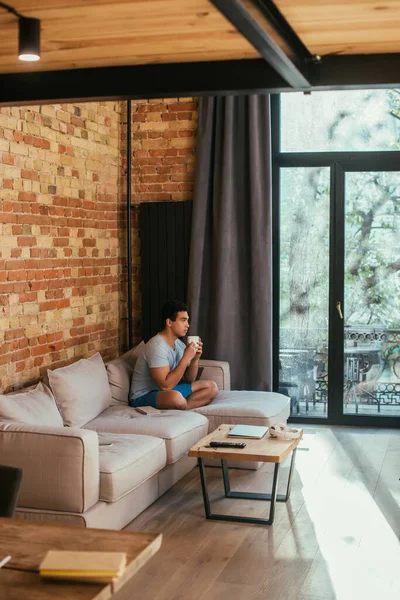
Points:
[(336, 538)]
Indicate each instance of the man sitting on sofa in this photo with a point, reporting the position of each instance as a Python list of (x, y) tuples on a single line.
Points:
[(164, 376)]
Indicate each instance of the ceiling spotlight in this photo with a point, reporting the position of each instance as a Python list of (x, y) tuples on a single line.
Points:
[(28, 36), (29, 39)]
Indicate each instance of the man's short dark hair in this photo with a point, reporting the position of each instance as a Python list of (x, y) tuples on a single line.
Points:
[(170, 310)]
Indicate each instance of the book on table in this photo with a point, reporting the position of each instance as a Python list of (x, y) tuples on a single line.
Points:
[(95, 567), (248, 431)]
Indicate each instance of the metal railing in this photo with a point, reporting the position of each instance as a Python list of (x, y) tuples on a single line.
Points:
[(371, 369)]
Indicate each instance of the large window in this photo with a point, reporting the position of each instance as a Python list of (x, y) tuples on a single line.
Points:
[(341, 121), (337, 169)]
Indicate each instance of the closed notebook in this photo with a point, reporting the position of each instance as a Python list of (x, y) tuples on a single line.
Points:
[(147, 410), (96, 567), (248, 431)]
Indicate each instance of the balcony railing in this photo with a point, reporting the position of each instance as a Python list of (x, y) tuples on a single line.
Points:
[(371, 370)]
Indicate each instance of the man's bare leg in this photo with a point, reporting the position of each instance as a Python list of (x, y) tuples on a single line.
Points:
[(171, 399), (202, 393)]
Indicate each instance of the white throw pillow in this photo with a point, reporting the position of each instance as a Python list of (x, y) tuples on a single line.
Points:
[(81, 390), (32, 407), (120, 372), (119, 377), (133, 354)]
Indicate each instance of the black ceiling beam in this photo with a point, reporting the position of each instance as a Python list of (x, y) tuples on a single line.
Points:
[(193, 79), (356, 71), (284, 29), (292, 71), (139, 81)]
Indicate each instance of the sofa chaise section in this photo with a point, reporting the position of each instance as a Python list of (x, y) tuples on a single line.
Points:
[(246, 407)]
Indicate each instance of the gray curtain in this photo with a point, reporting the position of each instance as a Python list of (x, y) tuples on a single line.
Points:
[(230, 267)]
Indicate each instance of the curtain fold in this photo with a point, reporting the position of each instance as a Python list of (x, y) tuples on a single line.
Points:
[(230, 266)]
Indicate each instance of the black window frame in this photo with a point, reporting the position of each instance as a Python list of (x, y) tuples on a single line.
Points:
[(339, 163)]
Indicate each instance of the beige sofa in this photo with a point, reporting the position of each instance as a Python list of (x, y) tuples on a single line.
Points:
[(91, 460)]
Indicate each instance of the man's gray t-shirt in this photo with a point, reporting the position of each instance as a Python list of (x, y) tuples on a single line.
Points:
[(157, 353)]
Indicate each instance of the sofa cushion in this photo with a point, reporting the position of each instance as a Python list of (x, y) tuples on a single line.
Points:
[(120, 372), (81, 390), (131, 460), (35, 406), (179, 429), (133, 354), (249, 408)]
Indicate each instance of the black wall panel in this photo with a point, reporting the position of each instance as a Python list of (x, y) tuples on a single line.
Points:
[(165, 242)]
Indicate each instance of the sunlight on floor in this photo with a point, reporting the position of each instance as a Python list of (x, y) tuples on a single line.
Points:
[(360, 552)]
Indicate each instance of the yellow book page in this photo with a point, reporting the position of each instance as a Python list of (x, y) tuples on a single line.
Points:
[(83, 579), (55, 573)]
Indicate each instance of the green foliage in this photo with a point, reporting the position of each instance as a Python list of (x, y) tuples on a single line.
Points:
[(372, 226)]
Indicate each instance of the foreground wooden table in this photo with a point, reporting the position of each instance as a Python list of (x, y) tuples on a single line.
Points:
[(27, 542), (267, 449)]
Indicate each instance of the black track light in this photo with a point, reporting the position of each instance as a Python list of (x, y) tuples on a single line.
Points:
[(29, 39), (28, 36)]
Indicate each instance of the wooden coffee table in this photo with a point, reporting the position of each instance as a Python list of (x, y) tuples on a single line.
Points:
[(267, 449)]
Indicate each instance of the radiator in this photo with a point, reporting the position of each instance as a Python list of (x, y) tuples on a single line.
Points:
[(165, 241)]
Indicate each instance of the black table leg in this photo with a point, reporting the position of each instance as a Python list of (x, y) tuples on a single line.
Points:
[(273, 497)]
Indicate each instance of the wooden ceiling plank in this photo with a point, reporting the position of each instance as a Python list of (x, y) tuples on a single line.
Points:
[(136, 30), (126, 32), (344, 26), (53, 9)]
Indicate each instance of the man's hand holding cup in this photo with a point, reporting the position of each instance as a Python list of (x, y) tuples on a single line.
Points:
[(190, 351), (195, 340)]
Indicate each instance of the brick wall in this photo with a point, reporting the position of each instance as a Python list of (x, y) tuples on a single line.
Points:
[(163, 164), (59, 250), (63, 224)]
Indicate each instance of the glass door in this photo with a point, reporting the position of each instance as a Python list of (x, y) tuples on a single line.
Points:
[(336, 194), (304, 288), (372, 293)]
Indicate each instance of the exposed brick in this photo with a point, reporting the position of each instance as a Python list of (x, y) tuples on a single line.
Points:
[(77, 121), (14, 333), (20, 355), (47, 195), (8, 159), (27, 197), (61, 242), (26, 240), (182, 106), (68, 223), (27, 174)]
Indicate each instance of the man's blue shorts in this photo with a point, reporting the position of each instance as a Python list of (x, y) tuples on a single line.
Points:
[(150, 399)]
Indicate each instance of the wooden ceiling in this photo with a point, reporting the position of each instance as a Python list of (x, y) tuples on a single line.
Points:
[(94, 33), (345, 26)]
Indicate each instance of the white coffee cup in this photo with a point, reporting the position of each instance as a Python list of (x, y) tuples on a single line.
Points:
[(193, 339)]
